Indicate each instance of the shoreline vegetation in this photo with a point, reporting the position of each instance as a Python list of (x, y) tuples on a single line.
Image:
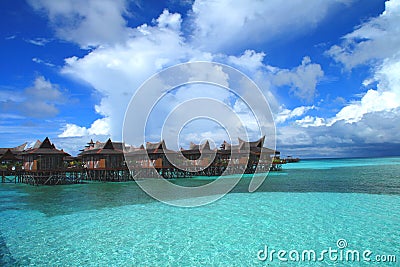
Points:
[(44, 164)]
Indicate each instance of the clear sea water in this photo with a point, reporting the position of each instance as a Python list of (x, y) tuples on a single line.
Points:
[(308, 206)]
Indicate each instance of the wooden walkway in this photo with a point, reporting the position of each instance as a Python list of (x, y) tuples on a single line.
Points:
[(66, 176)]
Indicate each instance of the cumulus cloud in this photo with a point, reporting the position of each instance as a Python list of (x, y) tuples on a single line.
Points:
[(125, 57), (98, 127), (376, 132), (286, 114), (384, 98), (87, 23), (38, 101), (168, 20), (370, 123), (117, 71), (302, 79), (73, 130), (309, 121), (221, 25), (250, 59), (377, 39), (122, 58)]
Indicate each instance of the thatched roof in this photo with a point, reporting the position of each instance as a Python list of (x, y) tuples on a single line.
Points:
[(243, 145), (15, 150), (101, 145), (106, 148), (45, 148), (9, 155), (197, 149), (254, 147), (151, 148), (205, 146)]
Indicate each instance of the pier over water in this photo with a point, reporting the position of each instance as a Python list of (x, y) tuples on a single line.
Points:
[(44, 164)]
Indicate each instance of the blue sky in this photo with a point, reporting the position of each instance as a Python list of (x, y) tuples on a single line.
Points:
[(329, 69)]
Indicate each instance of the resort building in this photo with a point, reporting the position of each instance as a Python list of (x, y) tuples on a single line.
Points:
[(11, 157), (194, 151), (155, 155), (108, 155), (104, 161), (248, 156), (43, 156), (45, 164), (200, 159)]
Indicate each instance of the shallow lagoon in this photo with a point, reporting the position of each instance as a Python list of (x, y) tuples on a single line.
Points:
[(308, 206)]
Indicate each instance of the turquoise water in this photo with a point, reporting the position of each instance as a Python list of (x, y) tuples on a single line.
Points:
[(308, 206)]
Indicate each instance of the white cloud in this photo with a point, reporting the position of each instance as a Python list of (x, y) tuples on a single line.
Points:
[(116, 72), (250, 60), (168, 20), (372, 123), (10, 37), (73, 130), (302, 79), (11, 116), (380, 41), (40, 41), (43, 89), (372, 101), (123, 58), (41, 61), (377, 39), (376, 134), (87, 23), (98, 127), (308, 121), (221, 25), (38, 101), (287, 114)]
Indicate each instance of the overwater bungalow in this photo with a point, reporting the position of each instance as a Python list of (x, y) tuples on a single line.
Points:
[(104, 161), (43, 156), (9, 160), (149, 160), (196, 150), (108, 155), (44, 164), (11, 156), (247, 156), (200, 159)]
